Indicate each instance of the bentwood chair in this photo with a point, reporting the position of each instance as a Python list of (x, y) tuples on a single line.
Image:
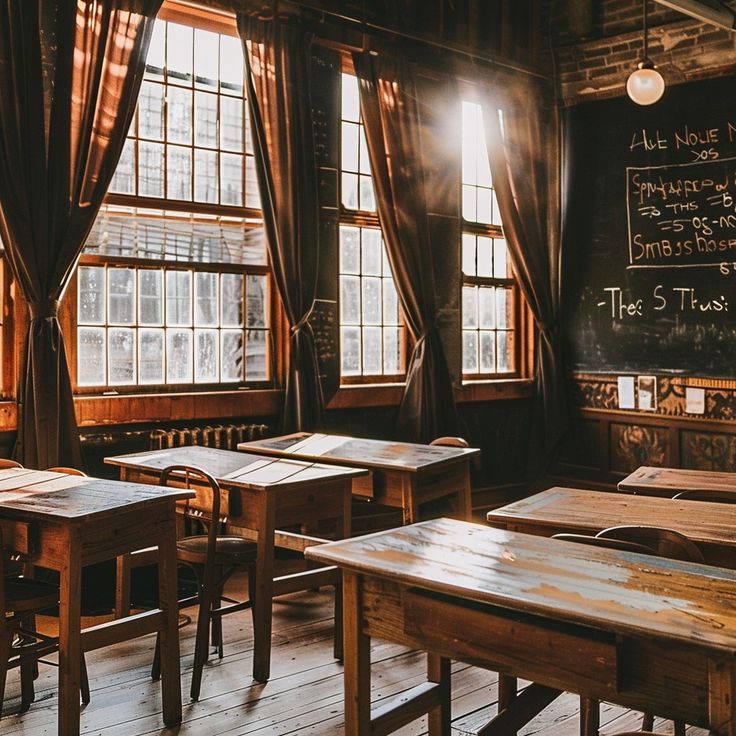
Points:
[(213, 558), (68, 471), (644, 540), (450, 442), (6, 463), (20, 646), (712, 496)]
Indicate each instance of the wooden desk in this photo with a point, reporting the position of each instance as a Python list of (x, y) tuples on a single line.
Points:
[(65, 522), (262, 495), (712, 526), (651, 634), (669, 481), (403, 475)]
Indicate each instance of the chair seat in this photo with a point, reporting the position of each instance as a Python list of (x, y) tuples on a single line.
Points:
[(194, 549), (22, 594)]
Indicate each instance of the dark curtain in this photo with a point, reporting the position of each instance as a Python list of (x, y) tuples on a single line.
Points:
[(522, 152), (278, 62), (391, 115), (69, 79)]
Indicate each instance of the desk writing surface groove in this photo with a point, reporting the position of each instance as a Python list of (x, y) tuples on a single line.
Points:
[(370, 453), (575, 510), (622, 592), (668, 481)]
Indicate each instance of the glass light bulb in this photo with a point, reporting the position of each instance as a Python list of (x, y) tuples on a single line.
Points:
[(645, 85)]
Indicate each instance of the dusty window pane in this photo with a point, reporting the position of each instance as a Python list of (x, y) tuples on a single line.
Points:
[(350, 98), (470, 306), (365, 163), (371, 253), (150, 356), (179, 117), (121, 356), (255, 301), (391, 350), (485, 256), (469, 268), (178, 298), (205, 119), (372, 357), (390, 303), (155, 60), (150, 169), (470, 351), (179, 52), (350, 300), (503, 308), (179, 172), (487, 352), (205, 299), (151, 111), (252, 195), (205, 176), (123, 182), (350, 191), (350, 132), (496, 217), (371, 296), (350, 350), (206, 49), (367, 197), (231, 64), (231, 304), (487, 307), (485, 207), (506, 352), (349, 250), (91, 356), (178, 356), (256, 355), (121, 296), (206, 356), (91, 295), (231, 123), (232, 355), (231, 179), (500, 259), (469, 206)]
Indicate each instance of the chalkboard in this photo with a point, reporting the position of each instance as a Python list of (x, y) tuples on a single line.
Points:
[(649, 232)]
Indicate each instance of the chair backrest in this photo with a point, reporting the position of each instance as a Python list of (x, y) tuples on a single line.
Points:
[(68, 471), (713, 496), (450, 442), (7, 463), (665, 542), (620, 544)]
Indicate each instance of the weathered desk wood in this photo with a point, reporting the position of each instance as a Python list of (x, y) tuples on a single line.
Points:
[(650, 634), (711, 525), (403, 475), (65, 522), (669, 481), (262, 495)]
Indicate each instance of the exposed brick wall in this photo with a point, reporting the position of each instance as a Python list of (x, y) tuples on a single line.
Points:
[(598, 65)]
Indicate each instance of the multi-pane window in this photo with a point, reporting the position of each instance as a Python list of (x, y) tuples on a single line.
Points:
[(371, 332), (489, 303), (173, 284), (189, 138)]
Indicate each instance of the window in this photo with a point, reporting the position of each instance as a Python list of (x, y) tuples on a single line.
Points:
[(489, 301), (173, 286), (371, 331)]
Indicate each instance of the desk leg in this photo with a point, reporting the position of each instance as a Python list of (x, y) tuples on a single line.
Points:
[(508, 688), (357, 662), (438, 670), (263, 608), (70, 639), (722, 697), (169, 639), (465, 502), (409, 498)]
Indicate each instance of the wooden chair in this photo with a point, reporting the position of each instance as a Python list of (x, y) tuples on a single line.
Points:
[(68, 471), (712, 496), (6, 463), (644, 540), (21, 646), (450, 442), (213, 558)]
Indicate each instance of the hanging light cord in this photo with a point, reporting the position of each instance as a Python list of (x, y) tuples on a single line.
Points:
[(644, 25)]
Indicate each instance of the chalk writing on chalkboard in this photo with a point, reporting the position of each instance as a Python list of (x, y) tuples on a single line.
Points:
[(324, 322)]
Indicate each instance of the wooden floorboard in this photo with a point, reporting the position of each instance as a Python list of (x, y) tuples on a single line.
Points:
[(304, 695)]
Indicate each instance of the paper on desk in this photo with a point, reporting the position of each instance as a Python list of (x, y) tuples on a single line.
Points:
[(319, 444), (246, 469), (144, 459)]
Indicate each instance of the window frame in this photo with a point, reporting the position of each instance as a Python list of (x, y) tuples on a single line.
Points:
[(208, 19)]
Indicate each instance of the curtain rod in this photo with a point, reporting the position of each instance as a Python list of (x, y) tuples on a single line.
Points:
[(419, 39)]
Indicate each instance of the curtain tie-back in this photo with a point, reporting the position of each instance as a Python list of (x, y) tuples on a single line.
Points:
[(302, 323), (44, 309)]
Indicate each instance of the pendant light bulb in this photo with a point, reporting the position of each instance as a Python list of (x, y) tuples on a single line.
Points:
[(645, 85)]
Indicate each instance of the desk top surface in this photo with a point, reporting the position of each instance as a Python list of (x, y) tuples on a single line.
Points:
[(40, 494), (591, 511), (237, 469), (615, 591), (357, 451), (673, 480)]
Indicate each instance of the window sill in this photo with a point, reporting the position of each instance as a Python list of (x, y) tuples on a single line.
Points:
[(495, 389), (128, 409), (367, 394)]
